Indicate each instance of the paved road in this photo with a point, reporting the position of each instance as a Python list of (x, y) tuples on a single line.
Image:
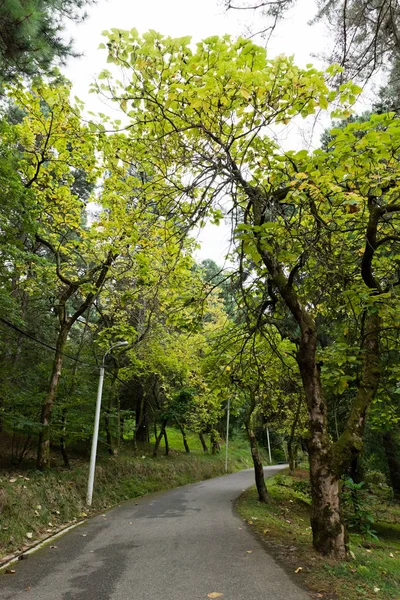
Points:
[(178, 545)]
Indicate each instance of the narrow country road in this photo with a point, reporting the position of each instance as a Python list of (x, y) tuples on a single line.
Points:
[(178, 545)]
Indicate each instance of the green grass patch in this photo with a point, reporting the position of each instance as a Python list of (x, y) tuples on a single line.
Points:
[(35, 504), (374, 569)]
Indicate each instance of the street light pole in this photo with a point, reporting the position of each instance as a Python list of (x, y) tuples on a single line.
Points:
[(93, 453), (227, 435)]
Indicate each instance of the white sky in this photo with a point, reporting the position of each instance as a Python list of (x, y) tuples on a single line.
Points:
[(198, 18)]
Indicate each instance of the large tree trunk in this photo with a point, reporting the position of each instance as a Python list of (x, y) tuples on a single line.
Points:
[(392, 452), (43, 453), (258, 467), (329, 536)]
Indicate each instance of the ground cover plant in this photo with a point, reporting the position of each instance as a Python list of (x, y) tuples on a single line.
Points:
[(372, 570), (34, 504)]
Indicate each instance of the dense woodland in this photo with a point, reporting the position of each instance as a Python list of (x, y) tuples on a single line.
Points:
[(97, 219)]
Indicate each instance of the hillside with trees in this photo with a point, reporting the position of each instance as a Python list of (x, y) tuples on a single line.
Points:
[(299, 336)]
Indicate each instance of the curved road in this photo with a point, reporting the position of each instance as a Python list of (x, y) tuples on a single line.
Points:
[(178, 545)]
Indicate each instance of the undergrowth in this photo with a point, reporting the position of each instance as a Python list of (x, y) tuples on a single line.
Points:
[(373, 571), (35, 504)]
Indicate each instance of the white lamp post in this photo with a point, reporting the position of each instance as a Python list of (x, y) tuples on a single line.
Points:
[(227, 434), (96, 425)]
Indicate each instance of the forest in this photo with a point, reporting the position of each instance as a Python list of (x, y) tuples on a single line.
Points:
[(298, 333)]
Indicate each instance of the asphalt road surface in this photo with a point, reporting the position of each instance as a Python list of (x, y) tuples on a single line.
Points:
[(179, 545)]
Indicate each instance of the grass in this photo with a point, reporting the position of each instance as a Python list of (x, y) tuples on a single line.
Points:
[(34, 504), (374, 569)]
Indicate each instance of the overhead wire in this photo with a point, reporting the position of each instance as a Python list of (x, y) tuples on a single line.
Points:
[(49, 347)]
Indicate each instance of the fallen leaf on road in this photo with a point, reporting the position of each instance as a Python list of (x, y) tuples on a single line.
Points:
[(29, 535), (13, 480), (249, 551), (84, 534), (27, 589), (53, 546), (299, 569), (130, 522), (250, 522), (214, 595), (10, 571), (266, 531)]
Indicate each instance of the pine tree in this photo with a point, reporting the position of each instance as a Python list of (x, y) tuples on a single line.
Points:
[(31, 35)]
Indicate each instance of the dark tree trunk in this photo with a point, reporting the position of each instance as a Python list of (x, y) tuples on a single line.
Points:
[(258, 467), (43, 453), (142, 420), (356, 470), (166, 442), (184, 438), (159, 437), (107, 425), (203, 442), (329, 536), (392, 452), (63, 445), (291, 456)]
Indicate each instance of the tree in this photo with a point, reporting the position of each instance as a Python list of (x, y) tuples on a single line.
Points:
[(319, 229), (31, 41), (365, 36)]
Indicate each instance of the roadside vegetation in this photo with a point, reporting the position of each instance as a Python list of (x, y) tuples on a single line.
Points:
[(34, 505), (372, 570)]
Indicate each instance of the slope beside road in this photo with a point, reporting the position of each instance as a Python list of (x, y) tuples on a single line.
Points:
[(179, 545)]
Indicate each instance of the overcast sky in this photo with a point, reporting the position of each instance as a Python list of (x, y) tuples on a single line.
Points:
[(198, 18)]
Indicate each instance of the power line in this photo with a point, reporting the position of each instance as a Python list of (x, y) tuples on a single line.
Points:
[(31, 337), (53, 348)]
